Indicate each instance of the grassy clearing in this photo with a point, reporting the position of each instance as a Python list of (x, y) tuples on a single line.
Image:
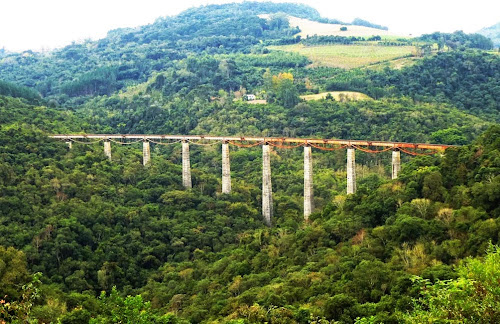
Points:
[(257, 102), (348, 56), (135, 90), (338, 95), (309, 27)]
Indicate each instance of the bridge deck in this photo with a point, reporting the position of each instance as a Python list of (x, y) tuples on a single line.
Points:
[(280, 140)]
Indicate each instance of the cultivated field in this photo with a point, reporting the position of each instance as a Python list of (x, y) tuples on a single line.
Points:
[(338, 95), (348, 56)]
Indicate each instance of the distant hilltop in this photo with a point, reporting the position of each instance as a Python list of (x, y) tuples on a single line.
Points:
[(492, 32)]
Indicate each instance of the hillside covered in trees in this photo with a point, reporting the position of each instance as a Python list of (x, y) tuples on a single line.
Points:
[(87, 240), (467, 79), (127, 56), (492, 32)]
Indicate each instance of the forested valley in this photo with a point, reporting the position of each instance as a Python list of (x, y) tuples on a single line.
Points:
[(87, 240)]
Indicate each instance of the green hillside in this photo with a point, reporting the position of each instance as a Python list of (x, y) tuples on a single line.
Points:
[(492, 32), (470, 81), (128, 56), (87, 240), (89, 224)]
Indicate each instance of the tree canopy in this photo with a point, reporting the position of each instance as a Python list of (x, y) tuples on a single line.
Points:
[(86, 239)]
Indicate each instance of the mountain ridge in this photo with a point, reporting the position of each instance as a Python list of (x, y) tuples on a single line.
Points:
[(492, 32)]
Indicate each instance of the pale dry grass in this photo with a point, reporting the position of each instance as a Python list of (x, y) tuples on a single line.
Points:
[(257, 102), (338, 95), (311, 28)]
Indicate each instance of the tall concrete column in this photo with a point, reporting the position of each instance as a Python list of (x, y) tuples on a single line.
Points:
[(308, 183), (107, 149), (226, 169), (146, 153), (351, 171), (186, 166), (396, 163), (267, 188), (70, 144)]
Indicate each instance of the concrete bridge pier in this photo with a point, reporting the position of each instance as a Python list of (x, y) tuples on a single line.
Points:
[(107, 148), (308, 183), (226, 169), (186, 166), (396, 163), (351, 171), (267, 188), (146, 153)]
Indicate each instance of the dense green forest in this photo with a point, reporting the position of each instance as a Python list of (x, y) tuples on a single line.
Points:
[(16, 91), (468, 79), (458, 39), (87, 240), (88, 225)]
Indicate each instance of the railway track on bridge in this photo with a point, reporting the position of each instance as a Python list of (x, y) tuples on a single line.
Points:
[(260, 140)]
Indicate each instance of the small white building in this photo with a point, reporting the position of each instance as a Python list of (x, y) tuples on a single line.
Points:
[(250, 97)]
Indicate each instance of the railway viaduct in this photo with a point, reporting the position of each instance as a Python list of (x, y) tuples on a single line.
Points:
[(266, 142)]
